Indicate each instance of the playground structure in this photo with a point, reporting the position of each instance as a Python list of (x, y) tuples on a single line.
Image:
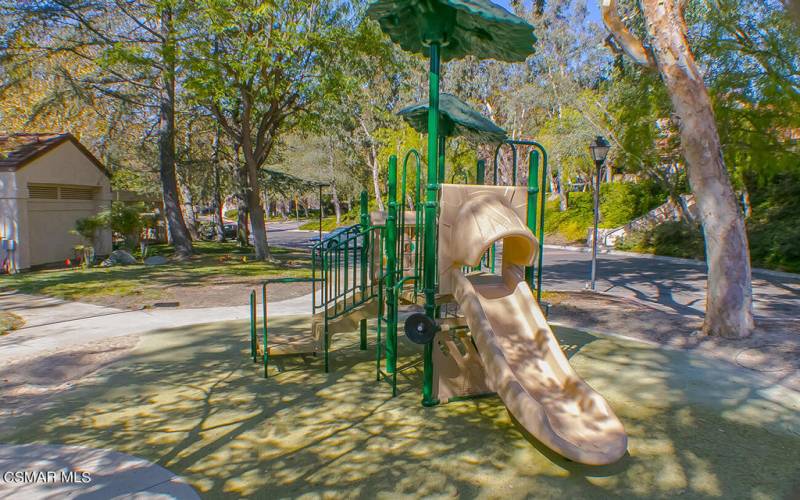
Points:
[(482, 330)]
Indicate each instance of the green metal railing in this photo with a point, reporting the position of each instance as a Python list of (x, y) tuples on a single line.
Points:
[(344, 266), (402, 244), (369, 262), (425, 275), (346, 274)]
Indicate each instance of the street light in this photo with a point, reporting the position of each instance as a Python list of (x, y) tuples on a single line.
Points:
[(599, 149)]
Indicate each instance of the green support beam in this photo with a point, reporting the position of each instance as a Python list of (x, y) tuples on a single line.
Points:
[(533, 194), (391, 268), (431, 209)]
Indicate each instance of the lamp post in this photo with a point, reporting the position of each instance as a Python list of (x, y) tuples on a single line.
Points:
[(599, 149)]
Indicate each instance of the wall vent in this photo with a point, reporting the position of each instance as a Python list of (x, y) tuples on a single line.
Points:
[(41, 192), (53, 192), (84, 193)]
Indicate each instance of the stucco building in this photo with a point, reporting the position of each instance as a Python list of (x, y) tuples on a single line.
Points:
[(47, 182)]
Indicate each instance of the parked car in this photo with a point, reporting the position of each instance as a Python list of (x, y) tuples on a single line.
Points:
[(340, 234), (209, 230)]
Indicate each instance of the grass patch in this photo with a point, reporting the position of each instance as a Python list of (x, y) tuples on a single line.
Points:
[(213, 263), (328, 224), (10, 321)]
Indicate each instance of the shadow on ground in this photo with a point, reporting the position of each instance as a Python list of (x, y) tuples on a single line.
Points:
[(190, 400), (679, 286)]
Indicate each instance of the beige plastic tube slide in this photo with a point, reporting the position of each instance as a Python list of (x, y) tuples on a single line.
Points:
[(523, 361)]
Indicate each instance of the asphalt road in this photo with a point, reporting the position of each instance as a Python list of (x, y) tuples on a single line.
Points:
[(679, 286)]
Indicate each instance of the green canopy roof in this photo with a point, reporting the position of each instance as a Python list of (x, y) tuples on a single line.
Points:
[(463, 27), (457, 118)]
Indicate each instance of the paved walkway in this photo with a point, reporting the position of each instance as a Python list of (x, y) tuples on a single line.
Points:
[(86, 473), (677, 284), (52, 324)]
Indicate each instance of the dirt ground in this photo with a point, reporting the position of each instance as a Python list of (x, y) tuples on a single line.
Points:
[(28, 385)]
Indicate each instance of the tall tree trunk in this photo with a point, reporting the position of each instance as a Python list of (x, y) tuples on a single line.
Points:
[(374, 165), (334, 195), (242, 208), (166, 143), (563, 196), (242, 233), (219, 223), (257, 222), (189, 213), (729, 303), (242, 223)]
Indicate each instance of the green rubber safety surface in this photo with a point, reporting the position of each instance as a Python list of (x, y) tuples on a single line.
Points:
[(464, 27), (189, 400), (456, 118)]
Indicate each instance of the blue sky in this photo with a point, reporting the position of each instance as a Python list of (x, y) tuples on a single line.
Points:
[(594, 9)]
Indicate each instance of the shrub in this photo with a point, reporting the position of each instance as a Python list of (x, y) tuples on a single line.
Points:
[(573, 223), (87, 228), (620, 203), (673, 239), (127, 220), (773, 229)]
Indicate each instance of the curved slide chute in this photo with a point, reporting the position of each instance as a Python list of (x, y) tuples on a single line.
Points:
[(522, 359)]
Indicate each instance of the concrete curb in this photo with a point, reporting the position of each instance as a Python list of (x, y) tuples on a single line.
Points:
[(662, 258)]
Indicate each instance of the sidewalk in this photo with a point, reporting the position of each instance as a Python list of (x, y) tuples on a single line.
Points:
[(53, 324), (87, 473)]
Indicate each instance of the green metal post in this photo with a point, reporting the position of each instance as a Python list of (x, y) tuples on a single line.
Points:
[(431, 209), (514, 164), (378, 352), (533, 195), (391, 267), (264, 311), (363, 326), (321, 214), (326, 346), (253, 346), (364, 260), (541, 225)]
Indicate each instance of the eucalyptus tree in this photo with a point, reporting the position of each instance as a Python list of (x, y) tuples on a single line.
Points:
[(729, 302), (131, 49), (259, 69), (378, 81)]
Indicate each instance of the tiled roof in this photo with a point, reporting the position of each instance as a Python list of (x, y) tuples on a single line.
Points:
[(19, 149)]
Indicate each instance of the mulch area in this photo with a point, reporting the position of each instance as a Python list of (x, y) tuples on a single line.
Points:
[(773, 349)]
